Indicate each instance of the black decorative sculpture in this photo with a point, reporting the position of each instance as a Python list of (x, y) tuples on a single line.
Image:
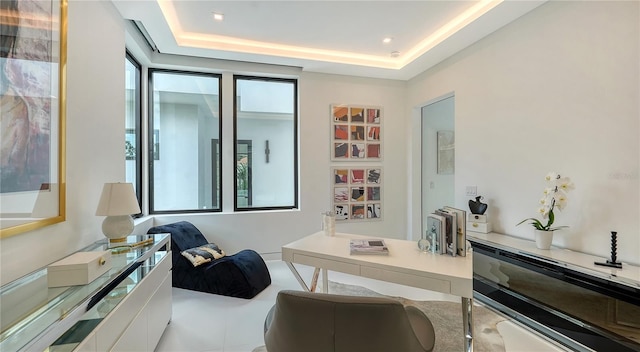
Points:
[(476, 206), (614, 253)]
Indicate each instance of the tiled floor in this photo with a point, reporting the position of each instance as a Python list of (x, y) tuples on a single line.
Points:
[(213, 323)]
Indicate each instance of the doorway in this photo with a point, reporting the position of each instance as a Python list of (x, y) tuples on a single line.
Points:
[(438, 155)]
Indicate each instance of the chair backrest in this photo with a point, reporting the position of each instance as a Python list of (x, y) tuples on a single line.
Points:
[(316, 322), (183, 235)]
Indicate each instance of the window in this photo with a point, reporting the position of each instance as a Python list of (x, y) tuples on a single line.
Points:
[(184, 142), (132, 142), (265, 143)]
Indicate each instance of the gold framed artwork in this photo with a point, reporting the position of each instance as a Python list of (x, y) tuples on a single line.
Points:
[(357, 193), (356, 133), (32, 156)]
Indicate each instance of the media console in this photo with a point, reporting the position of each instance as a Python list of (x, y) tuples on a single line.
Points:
[(558, 292), (125, 309)]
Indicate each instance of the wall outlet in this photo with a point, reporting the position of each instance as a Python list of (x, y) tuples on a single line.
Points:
[(472, 191)]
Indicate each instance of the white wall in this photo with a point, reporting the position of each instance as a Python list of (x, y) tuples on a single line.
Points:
[(557, 90), (95, 122)]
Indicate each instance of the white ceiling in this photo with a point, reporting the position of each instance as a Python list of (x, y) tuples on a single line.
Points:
[(341, 37)]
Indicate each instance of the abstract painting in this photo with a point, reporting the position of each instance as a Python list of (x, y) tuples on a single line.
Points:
[(357, 194), (357, 211), (340, 113), (341, 132), (373, 151), (357, 150), (373, 193), (341, 194), (374, 175), (446, 152), (373, 211), (357, 176), (32, 108), (341, 176)]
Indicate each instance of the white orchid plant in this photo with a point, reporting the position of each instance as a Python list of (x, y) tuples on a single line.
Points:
[(555, 196)]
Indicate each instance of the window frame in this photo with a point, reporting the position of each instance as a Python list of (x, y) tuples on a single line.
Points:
[(137, 128), (295, 142), (150, 140)]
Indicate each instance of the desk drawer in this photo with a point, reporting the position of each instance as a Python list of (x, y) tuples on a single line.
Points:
[(406, 279), (332, 265)]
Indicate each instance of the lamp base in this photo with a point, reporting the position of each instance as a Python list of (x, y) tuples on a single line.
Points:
[(117, 228)]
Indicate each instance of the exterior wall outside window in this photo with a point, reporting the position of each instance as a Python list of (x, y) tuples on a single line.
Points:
[(266, 115), (184, 130)]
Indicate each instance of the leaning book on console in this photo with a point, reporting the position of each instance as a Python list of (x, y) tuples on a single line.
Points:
[(369, 246)]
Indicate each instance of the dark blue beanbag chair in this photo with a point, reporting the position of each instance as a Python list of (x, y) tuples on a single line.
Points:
[(242, 275)]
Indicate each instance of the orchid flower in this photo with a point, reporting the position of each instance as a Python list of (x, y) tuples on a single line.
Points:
[(551, 177), (565, 184), (555, 196)]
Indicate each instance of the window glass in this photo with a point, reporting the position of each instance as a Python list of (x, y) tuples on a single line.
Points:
[(265, 143), (184, 139), (132, 142)]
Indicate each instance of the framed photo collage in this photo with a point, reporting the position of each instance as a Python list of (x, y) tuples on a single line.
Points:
[(357, 193), (356, 138)]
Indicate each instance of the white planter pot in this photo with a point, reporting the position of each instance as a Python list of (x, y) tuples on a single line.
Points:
[(543, 239)]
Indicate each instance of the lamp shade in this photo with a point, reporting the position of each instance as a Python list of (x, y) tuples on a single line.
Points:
[(118, 199)]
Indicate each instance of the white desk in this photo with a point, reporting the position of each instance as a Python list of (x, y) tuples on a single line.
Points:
[(405, 265)]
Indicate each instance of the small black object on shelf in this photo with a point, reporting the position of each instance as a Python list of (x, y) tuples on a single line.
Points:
[(614, 263), (476, 206)]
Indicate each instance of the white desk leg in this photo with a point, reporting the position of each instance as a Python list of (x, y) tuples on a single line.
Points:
[(314, 280), (325, 281), (297, 275), (467, 321)]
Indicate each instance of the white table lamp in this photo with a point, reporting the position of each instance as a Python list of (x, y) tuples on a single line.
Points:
[(118, 201)]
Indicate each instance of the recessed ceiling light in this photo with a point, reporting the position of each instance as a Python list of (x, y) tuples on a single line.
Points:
[(218, 16), (395, 53), (387, 40)]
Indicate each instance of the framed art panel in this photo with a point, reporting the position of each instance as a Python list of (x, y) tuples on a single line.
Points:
[(357, 193), (446, 152), (32, 157), (356, 133)]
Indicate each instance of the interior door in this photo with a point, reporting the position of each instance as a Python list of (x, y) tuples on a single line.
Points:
[(438, 155)]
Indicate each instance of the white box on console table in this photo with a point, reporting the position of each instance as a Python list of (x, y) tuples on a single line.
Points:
[(482, 227), (78, 269)]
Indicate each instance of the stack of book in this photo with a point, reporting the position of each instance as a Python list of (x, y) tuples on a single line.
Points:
[(446, 231), (368, 246)]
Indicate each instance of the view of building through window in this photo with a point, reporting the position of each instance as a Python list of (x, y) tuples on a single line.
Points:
[(184, 132), (266, 144)]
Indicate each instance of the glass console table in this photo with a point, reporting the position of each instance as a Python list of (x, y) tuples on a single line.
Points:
[(559, 292), (36, 317)]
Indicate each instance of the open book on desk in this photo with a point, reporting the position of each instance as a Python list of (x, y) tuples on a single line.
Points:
[(368, 246)]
